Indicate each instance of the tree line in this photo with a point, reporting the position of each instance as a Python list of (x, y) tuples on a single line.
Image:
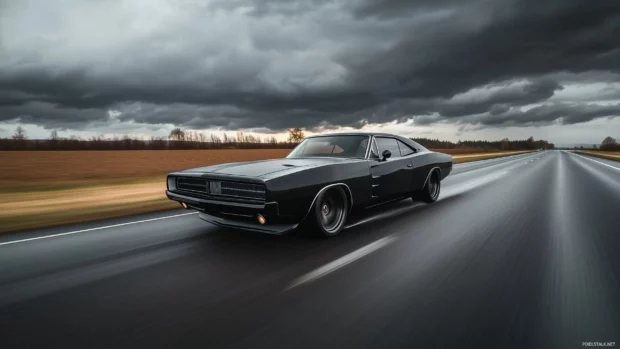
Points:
[(178, 139), (504, 144)]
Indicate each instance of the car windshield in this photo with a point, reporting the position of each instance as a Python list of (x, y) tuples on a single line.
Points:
[(332, 146)]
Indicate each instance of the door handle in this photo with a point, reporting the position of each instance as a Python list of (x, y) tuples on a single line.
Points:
[(409, 165)]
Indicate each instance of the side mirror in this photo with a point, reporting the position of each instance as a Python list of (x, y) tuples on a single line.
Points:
[(386, 154)]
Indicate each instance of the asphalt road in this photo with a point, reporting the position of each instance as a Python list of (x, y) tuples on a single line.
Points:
[(519, 252)]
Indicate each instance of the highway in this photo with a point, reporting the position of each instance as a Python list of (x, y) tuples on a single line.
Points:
[(519, 252)]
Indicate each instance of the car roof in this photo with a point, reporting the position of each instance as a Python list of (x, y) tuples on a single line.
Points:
[(401, 138)]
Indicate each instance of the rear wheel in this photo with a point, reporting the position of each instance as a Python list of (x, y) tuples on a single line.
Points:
[(430, 192), (330, 210)]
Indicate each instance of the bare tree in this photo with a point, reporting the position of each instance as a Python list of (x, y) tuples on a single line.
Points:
[(609, 143), (609, 140), (177, 134), (296, 135), (20, 134)]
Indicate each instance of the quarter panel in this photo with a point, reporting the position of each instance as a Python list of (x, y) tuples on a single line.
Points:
[(424, 162)]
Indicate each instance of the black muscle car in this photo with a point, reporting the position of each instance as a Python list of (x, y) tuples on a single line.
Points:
[(320, 182)]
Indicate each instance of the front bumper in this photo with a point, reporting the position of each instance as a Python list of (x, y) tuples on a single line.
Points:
[(276, 229), (238, 215)]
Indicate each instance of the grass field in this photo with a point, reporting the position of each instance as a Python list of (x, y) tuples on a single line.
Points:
[(49, 188), (609, 155)]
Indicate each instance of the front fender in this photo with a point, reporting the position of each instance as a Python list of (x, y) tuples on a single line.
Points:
[(296, 192)]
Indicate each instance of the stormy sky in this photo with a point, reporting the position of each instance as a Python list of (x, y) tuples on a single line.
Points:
[(449, 69)]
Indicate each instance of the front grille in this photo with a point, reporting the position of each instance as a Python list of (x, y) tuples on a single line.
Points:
[(192, 184), (222, 188), (242, 190)]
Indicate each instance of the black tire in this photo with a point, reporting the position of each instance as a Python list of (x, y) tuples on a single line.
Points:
[(331, 209), (430, 192)]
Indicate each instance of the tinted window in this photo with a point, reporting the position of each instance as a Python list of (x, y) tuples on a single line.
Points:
[(389, 144), (405, 149), (361, 149), (374, 152), (332, 146)]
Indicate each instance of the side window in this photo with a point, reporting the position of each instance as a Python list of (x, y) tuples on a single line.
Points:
[(405, 149), (361, 149), (374, 152), (389, 144)]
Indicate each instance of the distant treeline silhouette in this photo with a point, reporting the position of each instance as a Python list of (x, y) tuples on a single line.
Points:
[(132, 144), (504, 144), (127, 143), (177, 140), (609, 144), (181, 139)]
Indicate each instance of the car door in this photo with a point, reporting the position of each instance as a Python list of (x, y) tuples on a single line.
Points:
[(391, 177)]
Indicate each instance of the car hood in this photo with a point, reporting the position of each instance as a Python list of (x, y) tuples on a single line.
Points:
[(266, 167)]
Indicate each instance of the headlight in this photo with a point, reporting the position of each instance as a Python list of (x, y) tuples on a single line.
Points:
[(172, 183)]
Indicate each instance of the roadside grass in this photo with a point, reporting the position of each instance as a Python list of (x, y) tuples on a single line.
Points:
[(60, 217), (27, 205), (459, 159), (54, 186), (609, 155)]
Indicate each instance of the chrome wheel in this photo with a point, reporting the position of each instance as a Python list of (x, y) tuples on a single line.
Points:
[(332, 210)]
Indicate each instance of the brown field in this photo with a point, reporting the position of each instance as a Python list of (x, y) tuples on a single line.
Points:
[(19, 169), (609, 155), (48, 188), (58, 166)]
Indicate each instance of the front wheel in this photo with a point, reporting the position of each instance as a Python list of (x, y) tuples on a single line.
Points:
[(430, 192), (330, 210)]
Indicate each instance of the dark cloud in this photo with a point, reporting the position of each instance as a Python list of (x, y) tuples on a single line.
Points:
[(502, 97), (316, 64), (563, 113), (52, 116), (402, 8), (515, 41)]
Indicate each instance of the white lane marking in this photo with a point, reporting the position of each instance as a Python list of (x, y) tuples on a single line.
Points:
[(341, 262), (381, 216), (93, 229), (602, 163)]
